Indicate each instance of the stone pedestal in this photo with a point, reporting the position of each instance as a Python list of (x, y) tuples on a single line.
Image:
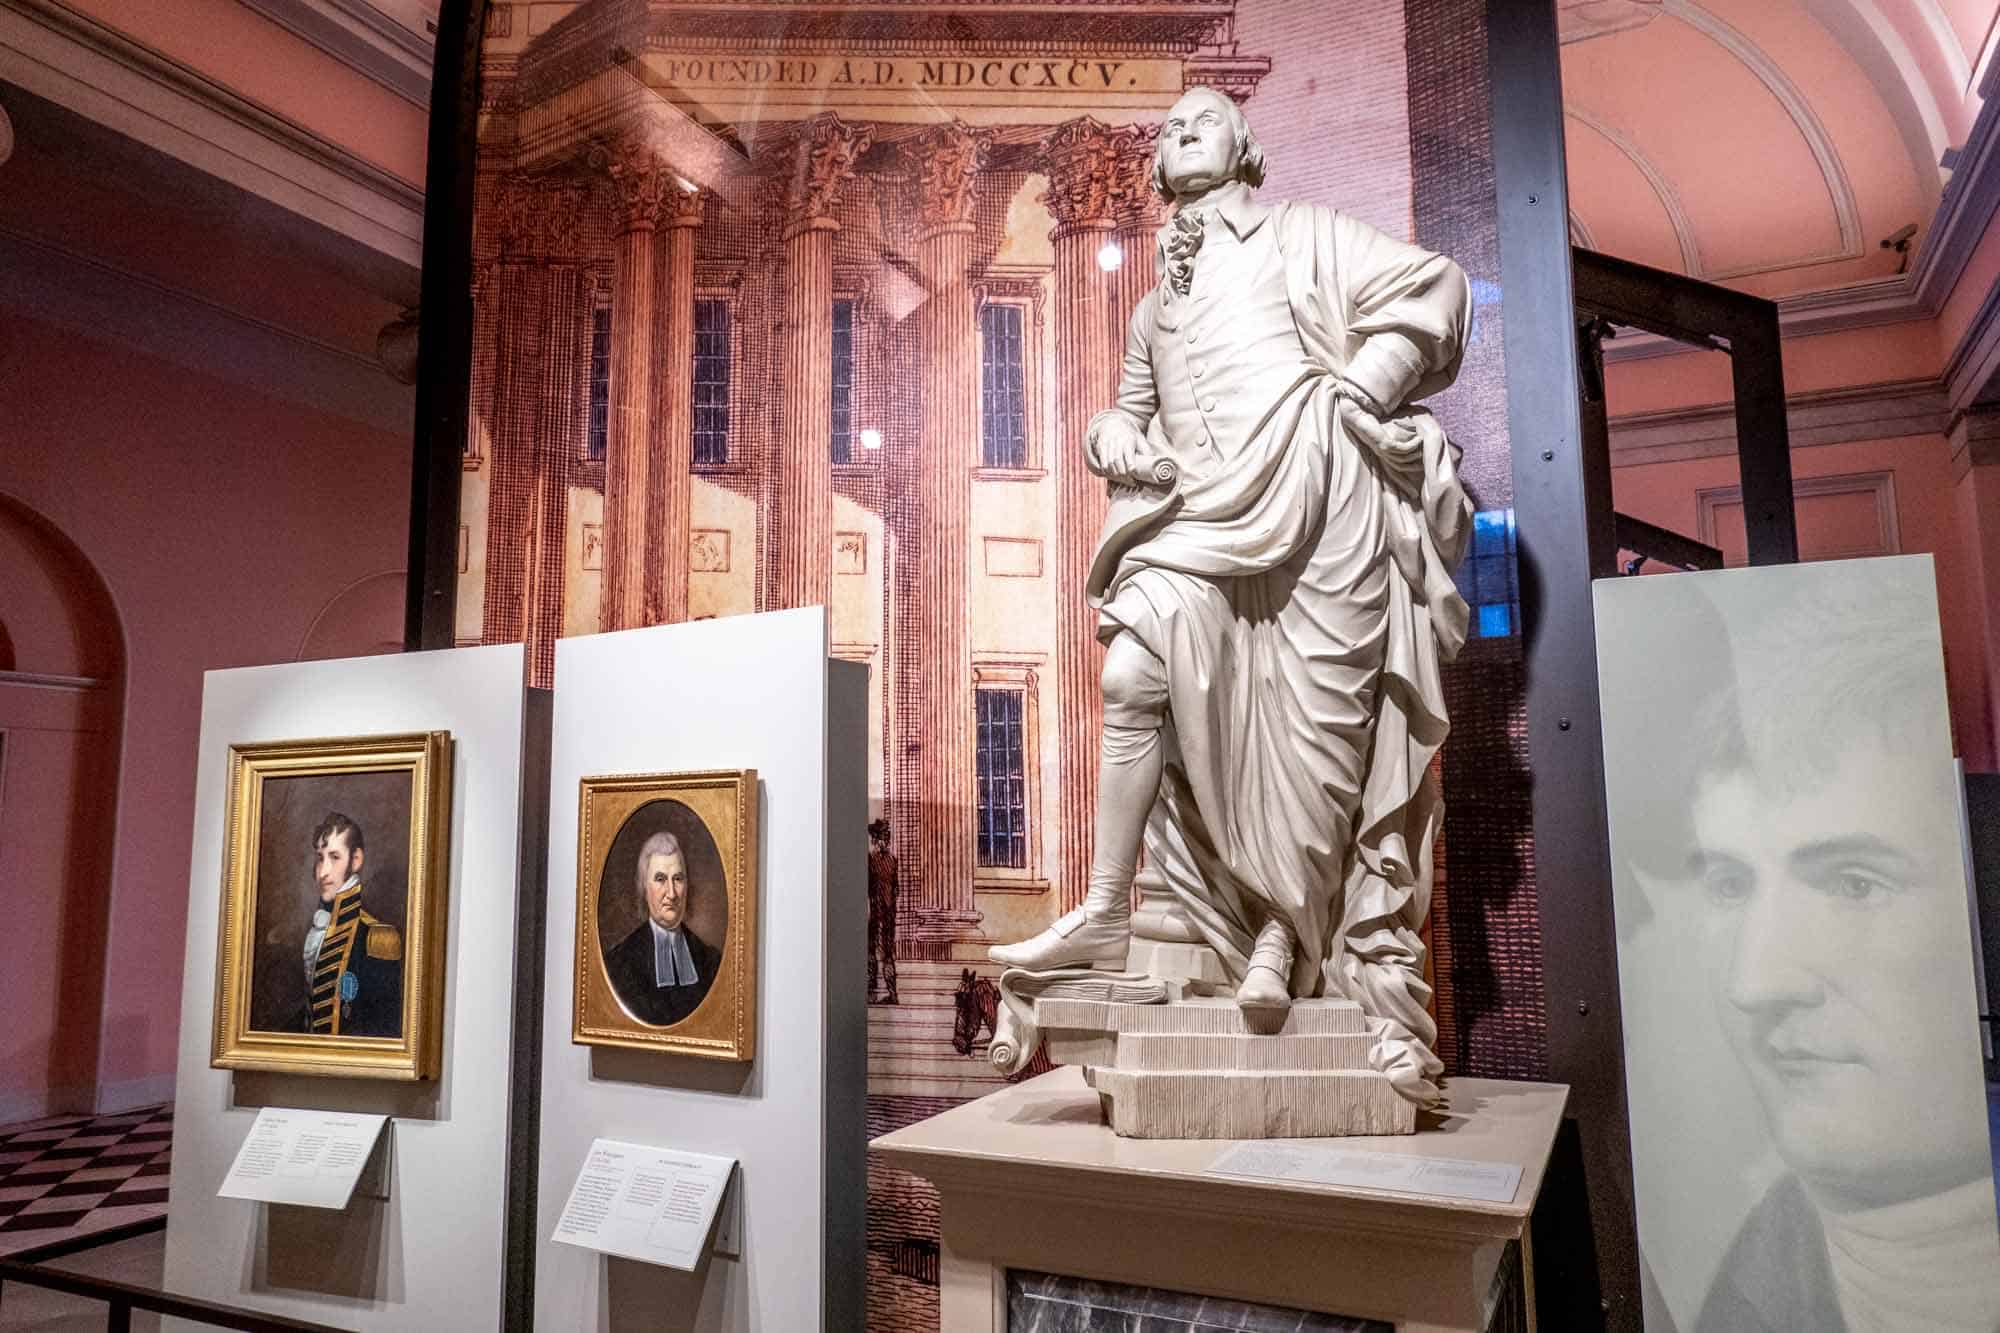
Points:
[(1033, 1186), (1195, 1069)]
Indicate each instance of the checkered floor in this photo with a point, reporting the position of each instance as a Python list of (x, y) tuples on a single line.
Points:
[(70, 1176)]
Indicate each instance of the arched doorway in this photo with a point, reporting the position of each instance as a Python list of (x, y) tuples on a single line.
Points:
[(62, 674)]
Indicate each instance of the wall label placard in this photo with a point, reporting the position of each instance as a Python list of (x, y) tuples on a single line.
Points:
[(656, 1205), (1442, 1177), (313, 1158)]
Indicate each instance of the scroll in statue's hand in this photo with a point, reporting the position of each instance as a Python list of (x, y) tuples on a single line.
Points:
[(1118, 450)]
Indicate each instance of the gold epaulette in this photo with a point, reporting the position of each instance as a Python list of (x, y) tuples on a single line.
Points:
[(384, 941)]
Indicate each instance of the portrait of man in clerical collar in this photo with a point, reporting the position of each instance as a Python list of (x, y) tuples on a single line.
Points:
[(662, 969), (1820, 915), (666, 913)]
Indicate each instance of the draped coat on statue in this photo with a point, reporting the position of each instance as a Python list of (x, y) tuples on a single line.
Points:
[(1291, 568)]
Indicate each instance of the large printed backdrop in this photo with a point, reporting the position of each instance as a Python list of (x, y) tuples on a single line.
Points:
[(780, 306)]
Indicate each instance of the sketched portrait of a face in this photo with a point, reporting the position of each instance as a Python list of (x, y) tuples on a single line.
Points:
[(1821, 892)]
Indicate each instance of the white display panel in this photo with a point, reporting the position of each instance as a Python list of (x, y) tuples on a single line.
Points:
[(743, 692), (1809, 1140), (429, 1256)]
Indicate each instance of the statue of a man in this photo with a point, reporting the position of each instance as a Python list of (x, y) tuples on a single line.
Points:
[(1275, 595)]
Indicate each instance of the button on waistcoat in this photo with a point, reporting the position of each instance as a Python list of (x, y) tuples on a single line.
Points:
[(1224, 352)]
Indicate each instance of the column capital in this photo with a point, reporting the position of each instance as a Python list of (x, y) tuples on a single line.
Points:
[(682, 206), (640, 178), (1134, 202), (813, 167), (945, 163), (1080, 159), (539, 216)]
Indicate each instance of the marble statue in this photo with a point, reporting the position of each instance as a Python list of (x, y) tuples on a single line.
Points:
[(1274, 592)]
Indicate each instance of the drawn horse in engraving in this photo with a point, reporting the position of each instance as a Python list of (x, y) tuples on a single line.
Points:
[(977, 1004)]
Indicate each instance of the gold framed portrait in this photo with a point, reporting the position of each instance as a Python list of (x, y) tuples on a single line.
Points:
[(666, 913), (331, 958)]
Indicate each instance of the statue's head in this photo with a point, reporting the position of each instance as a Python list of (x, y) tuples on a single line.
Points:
[(1204, 142)]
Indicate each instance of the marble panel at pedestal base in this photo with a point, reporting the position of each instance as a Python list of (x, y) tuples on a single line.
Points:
[(1051, 1303)]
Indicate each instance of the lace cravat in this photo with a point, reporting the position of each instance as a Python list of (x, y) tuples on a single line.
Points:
[(1183, 239)]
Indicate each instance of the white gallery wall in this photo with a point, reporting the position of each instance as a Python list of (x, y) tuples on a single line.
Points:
[(1808, 1116), (429, 1256), (741, 692)]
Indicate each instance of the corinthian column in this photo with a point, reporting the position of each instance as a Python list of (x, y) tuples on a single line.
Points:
[(540, 349), (818, 163), (670, 461), (1080, 159), (1138, 213), (946, 162), (641, 182)]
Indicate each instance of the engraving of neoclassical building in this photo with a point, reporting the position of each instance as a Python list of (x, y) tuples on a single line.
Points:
[(781, 305)]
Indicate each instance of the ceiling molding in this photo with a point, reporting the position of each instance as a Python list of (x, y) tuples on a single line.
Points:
[(72, 60), (1874, 43), (360, 37), (102, 301), (1971, 203), (1663, 189), (1892, 411), (1957, 62), (1840, 190)]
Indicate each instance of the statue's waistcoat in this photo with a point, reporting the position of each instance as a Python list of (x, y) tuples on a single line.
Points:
[(1224, 352)]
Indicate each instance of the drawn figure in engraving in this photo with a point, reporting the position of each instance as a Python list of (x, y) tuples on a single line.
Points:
[(881, 914), (353, 960), (1274, 589), (1830, 902), (662, 970), (975, 1004)]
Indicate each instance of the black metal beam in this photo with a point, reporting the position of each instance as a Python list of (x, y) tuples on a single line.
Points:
[(444, 329), (1563, 515), (124, 1296), (524, 1073), (1664, 544), (1745, 327)]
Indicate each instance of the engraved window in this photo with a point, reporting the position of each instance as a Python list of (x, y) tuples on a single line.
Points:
[(598, 428), (711, 382), (1001, 749), (843, 381), (1487, 579), (1003, 391)]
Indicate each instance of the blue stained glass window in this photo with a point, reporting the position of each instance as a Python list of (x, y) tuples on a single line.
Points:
[(1488, 579)]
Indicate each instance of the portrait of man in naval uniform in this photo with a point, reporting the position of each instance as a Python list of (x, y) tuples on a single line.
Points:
[(353, 960), (661, 970)]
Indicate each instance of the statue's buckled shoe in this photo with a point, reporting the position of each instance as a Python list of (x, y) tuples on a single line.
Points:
[(1074, 940)]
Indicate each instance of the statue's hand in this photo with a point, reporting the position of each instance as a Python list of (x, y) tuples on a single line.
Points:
[(1116, 449), (1368, 421)]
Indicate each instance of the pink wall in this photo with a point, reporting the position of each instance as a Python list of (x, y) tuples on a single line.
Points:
[(222, 522), (1977, 505), (1926, 522), (254, 57), (59, 701), (1882, 354)]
